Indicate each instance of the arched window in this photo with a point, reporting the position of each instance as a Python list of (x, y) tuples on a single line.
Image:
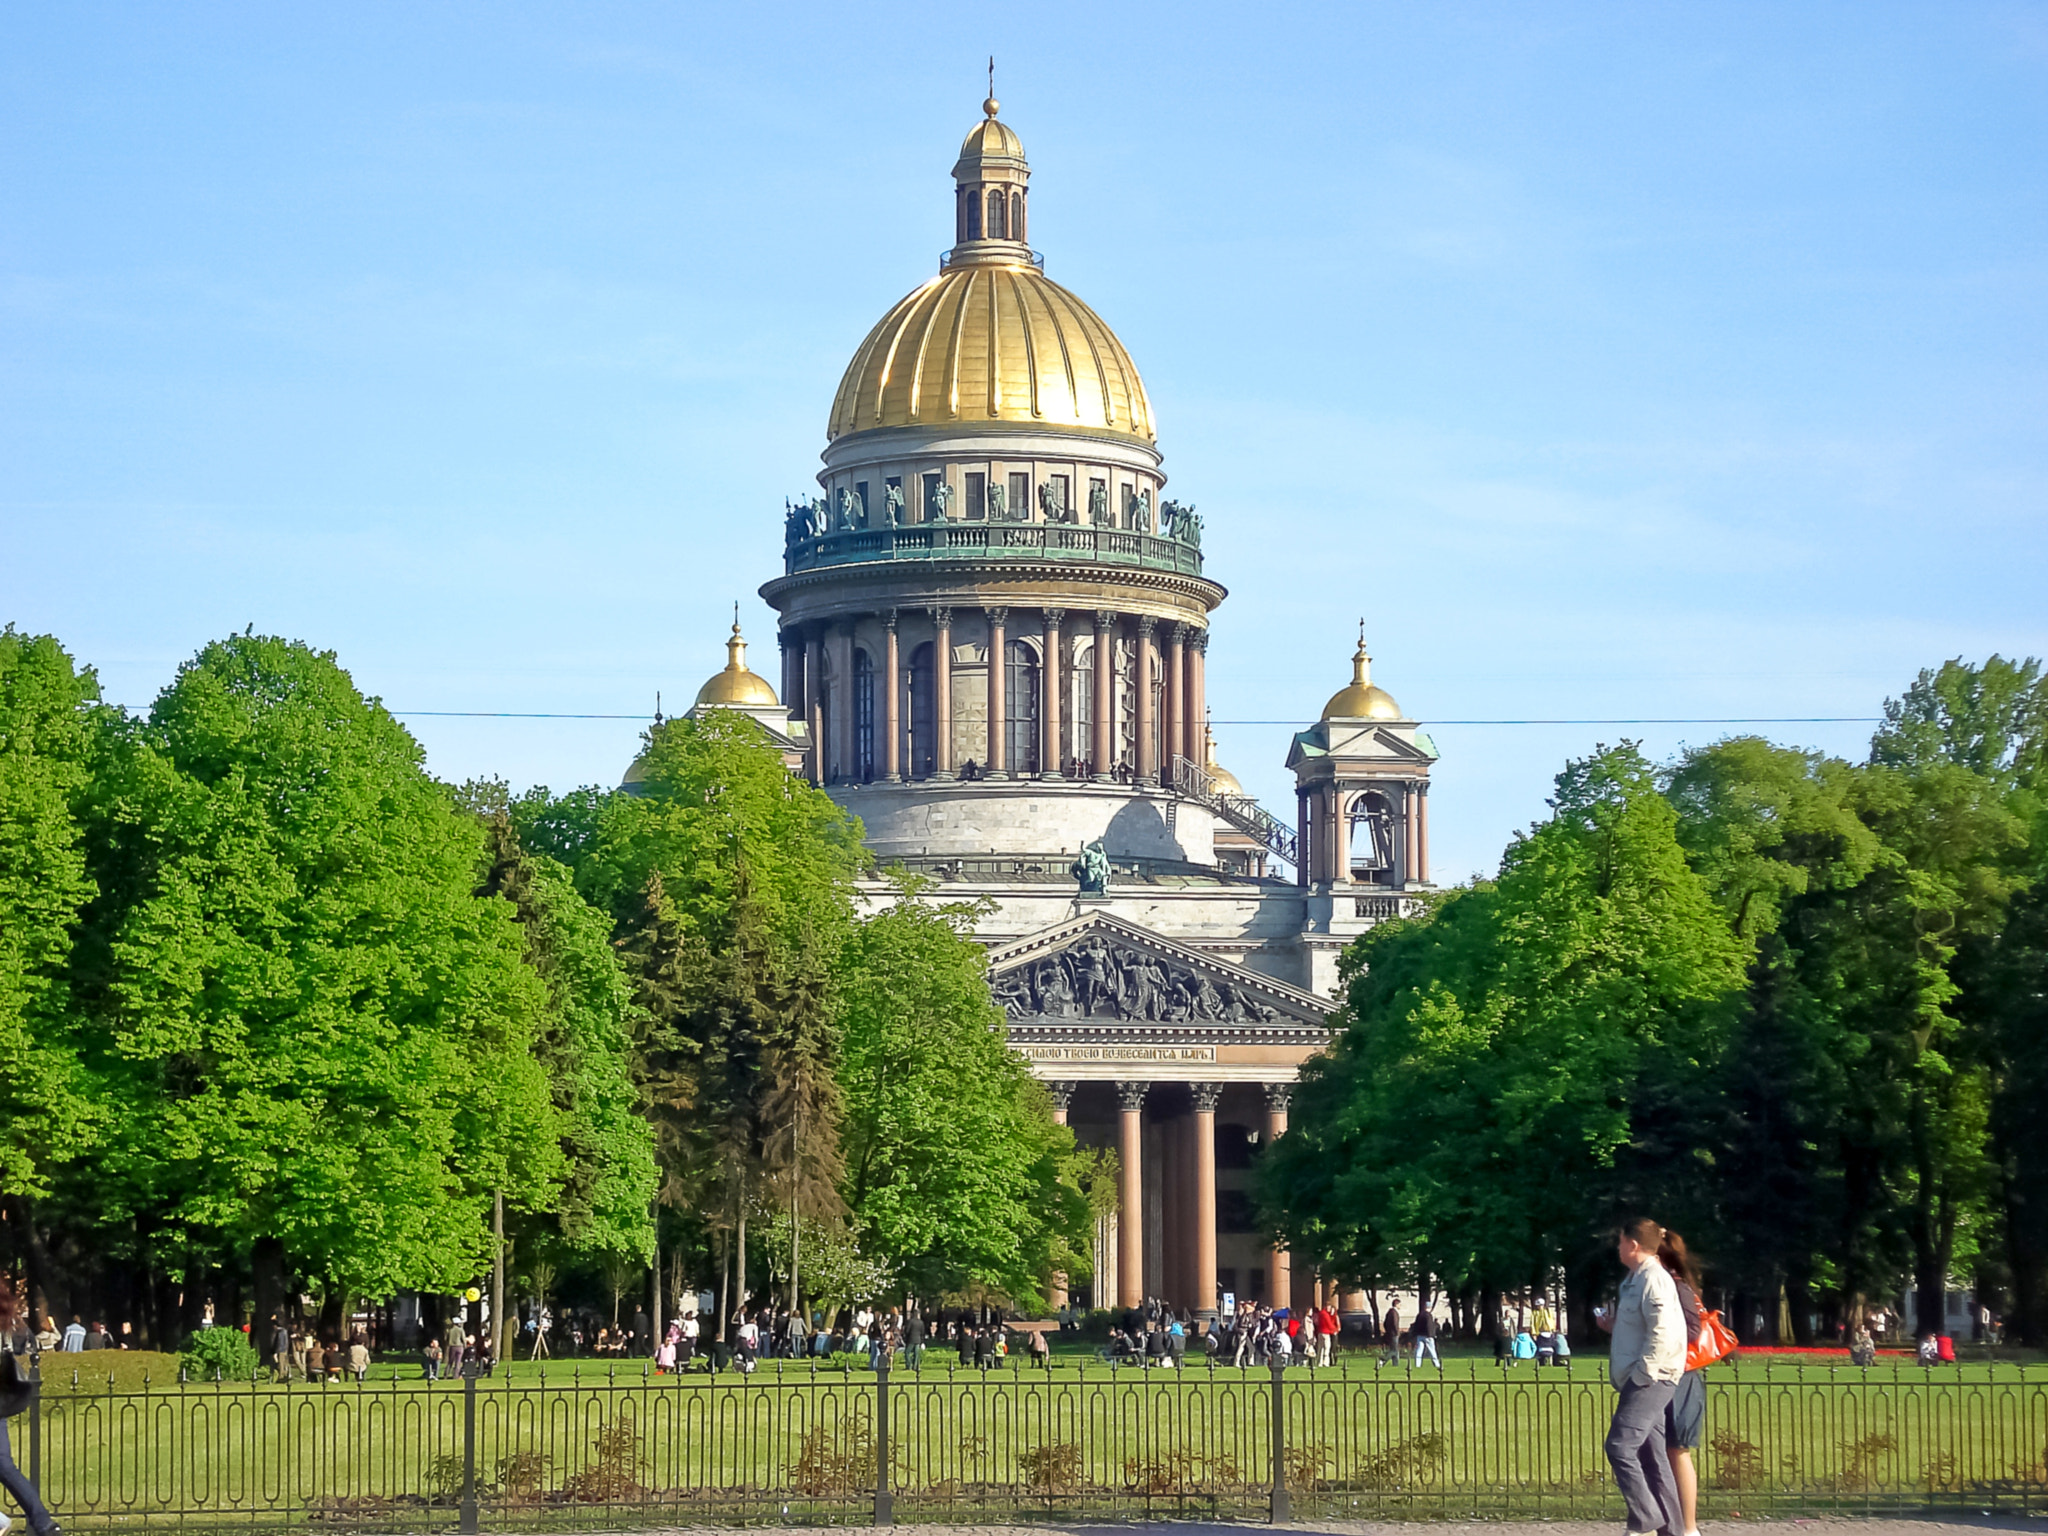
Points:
[(863, 717), (1016, 215), (973, 215), (1373, 839), (1081, 710), (923, 714), (995, 215), (1020, 703)]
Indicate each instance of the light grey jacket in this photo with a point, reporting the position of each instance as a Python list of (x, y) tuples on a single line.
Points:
[(1649, 1328)]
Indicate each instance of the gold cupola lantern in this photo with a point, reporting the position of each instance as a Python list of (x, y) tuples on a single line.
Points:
[(736, 687), (1364, 699), (992, 340)]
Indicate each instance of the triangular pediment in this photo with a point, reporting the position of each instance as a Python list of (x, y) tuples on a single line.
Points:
[(1102, 968)]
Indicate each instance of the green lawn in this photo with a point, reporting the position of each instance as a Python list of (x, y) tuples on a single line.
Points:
[(584, 1441)]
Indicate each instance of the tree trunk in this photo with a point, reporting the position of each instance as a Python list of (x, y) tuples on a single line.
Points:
[(724, 1282), (497, 1334), (654, 1310), (796, 1246), (740, 1246), (266, 1263)]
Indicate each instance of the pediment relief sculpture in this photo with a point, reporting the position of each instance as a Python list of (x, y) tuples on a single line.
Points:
[(1097, 979)]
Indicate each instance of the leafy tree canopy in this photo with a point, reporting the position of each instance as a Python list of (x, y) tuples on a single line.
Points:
[(956, 1171), (49, 728), (309, 1029)]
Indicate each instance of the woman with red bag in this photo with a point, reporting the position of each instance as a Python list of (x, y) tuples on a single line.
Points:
[(16, 1389), (1686, 1415)]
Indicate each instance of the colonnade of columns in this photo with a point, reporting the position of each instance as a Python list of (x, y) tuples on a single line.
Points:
[(1328, 811), (1188, 1195), (1166, 671)]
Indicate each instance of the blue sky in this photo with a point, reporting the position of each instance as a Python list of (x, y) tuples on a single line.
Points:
[(1612, 361)]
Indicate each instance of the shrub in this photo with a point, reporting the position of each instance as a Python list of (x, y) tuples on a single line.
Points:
[(219, 1354), (1052, 1468)]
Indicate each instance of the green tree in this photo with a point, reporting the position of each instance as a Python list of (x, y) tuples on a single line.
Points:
[(49, 726), (955, 1170), (315, 1040), (1798, 1202), (714, 799), (1518, 1069), (1991, 719), (584, 1045)]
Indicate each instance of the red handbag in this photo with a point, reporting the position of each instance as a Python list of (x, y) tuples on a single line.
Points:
[(1717, 1341)]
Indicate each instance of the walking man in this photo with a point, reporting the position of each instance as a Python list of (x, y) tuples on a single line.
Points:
[(1425, 1337), (1647, 1359)]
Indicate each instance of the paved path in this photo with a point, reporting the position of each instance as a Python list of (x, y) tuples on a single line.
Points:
[(1818, 1526)]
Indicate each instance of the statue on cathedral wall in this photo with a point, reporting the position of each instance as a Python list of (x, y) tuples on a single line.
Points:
[(1092, 869), (1049, 503), (943, 495), (998, 503), (892, 500), (1098, 506)]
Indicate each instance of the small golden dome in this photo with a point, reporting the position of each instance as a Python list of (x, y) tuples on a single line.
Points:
[(736, 687), (992, 342), (1363, 700), (1221, 779), (989, 140)]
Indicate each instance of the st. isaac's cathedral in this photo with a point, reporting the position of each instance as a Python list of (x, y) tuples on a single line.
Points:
[(993, 629)]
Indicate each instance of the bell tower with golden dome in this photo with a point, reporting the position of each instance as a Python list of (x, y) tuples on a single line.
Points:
[(1361, 777)]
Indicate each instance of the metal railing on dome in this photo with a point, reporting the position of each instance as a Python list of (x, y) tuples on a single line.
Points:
[(946, 260), (994, 541), (796, 1443)]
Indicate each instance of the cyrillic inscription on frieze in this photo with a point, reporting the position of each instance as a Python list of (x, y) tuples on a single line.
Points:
[(1117, 1052)]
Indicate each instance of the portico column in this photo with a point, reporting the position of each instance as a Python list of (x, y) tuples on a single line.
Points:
[(814, 702), (1409, 842), (892, 701), (1206, 1097), (942, 693), (1105, 691), (792, 672), (1148, 760), (1052, 755), (1197, 691), (842, 706), (1174, 728), (1130, 1225), (1422, 832), (1340, 841), (998, 695), (1062, 1095), (1304, 847), (1278, 1265)]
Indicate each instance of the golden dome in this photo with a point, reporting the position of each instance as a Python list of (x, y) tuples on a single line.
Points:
[(992, 341), (1363, 700), (989, 140), (736, 687), (1221, 779)]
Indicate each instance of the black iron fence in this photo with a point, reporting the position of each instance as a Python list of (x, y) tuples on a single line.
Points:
[(870, 1447)]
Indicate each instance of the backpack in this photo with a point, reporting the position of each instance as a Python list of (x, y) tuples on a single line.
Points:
[(1717, 1341)]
